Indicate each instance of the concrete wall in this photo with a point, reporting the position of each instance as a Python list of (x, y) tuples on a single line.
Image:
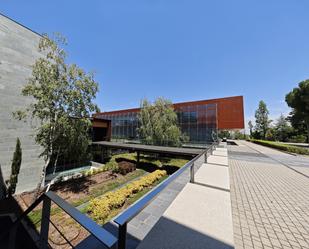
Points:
[(18, 51)]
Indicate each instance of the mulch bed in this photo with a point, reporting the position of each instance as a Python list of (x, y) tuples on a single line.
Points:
[(74, 189)]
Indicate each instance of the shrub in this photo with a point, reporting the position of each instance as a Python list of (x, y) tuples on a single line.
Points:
[(128, 156), (15, 168), (282, 146), (112, 165), (125, 167), (298, 139), (100, 208)]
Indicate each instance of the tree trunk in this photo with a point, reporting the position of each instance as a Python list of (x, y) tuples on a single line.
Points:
[(56, 161), (40, 183)]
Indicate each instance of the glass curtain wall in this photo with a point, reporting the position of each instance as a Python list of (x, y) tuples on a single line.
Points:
[(198, 122), (124, 125)]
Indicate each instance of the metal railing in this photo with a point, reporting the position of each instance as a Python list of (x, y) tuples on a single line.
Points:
[(102, 235), (124, 218)]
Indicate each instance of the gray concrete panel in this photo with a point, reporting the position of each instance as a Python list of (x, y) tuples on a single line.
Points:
[(18, 52)]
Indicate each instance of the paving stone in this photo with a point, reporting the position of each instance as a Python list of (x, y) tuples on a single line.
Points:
[(266, 189)]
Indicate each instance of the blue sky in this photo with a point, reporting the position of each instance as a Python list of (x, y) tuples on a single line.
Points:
[(181, 50)]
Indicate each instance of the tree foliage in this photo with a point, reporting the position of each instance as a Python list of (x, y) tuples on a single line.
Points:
[(15, 168), (159, 123), (282, 129), (250, 125), (224, 134), (298, 100), (239, 135), (63, 102), (262, 121)]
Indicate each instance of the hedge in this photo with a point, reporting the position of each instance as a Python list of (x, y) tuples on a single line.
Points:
[(100, 208), (281, 146), (111, 165)]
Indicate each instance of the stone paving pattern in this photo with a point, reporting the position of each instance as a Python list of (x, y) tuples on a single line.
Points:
[(297, 162), (270, 201)]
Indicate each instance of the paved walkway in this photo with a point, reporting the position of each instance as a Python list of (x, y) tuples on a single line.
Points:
[(200, 216), (297, 162), (140, 226), (270, 197)]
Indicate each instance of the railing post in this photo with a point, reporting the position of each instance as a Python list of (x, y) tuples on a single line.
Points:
[(12, 237), (205, 157), (45, 223), (138, 157), (192, 173), (122, 236)]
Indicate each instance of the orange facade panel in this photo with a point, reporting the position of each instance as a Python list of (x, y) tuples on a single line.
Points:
[(230, 111)]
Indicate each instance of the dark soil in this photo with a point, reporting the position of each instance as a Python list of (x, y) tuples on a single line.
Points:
[(74, 189)]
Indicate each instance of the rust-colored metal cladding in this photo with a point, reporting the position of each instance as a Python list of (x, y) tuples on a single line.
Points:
[(230, 111)]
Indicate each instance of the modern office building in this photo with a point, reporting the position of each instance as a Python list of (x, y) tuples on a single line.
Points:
[(200, 120)]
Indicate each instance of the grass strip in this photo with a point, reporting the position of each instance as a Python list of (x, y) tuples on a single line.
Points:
[(281, 146)]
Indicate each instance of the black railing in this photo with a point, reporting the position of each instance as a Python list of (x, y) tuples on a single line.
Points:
[(102, 235), (125, 217)]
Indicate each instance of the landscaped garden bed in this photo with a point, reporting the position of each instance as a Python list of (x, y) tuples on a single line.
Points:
[(100, 209), (103, 192), (282, 146)]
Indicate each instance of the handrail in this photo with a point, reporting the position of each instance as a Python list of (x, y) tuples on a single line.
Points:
[(105, 237), (138, 206), (97, 231), (22, 216)]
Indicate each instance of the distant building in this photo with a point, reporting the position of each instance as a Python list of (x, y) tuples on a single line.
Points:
[(200, 120)]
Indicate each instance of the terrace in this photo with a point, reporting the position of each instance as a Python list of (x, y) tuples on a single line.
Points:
[(129, 229)]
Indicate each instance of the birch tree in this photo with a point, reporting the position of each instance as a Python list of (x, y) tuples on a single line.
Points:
[(63, 97)]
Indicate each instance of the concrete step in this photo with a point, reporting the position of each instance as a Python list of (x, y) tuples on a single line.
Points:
[(213, 175), (219, 160), (220, 153), (199, 217), (221, 149)]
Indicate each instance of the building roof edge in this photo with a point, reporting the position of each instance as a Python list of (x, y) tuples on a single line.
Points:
[(18, 23)]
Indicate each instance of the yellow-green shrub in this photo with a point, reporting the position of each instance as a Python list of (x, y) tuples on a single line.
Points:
[(111, 165), (99, 208)]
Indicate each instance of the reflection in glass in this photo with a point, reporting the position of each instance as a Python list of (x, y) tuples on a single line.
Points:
[(197, 121)]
